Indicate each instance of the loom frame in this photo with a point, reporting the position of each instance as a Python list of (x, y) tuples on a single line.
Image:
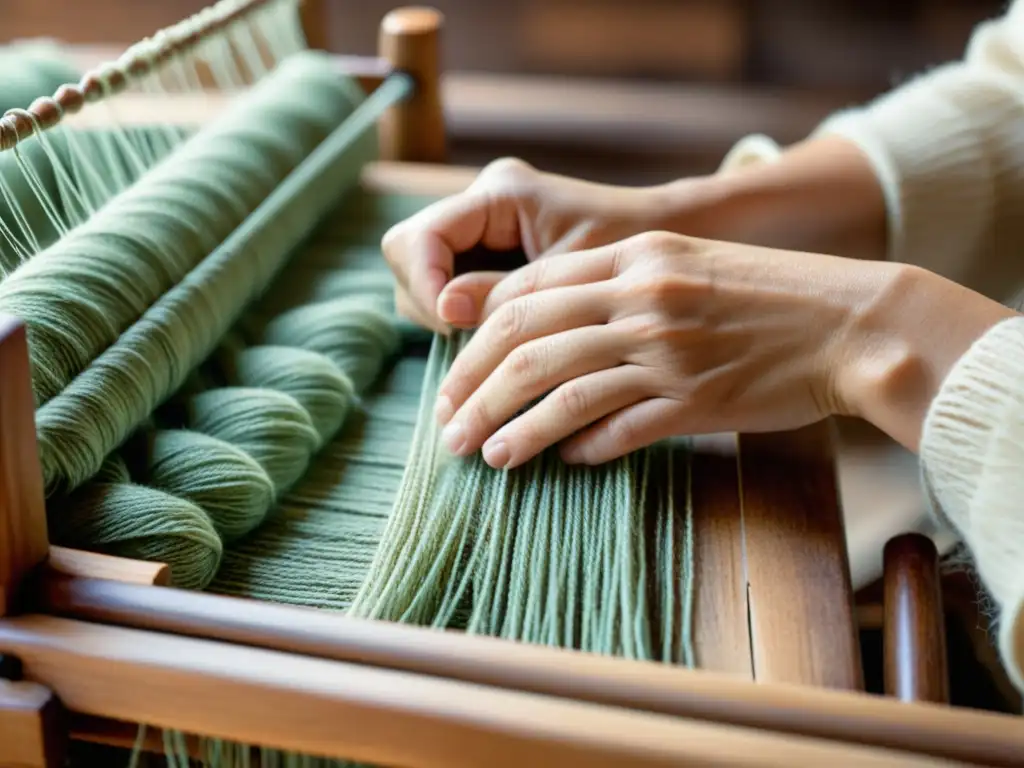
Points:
[(70, 619)]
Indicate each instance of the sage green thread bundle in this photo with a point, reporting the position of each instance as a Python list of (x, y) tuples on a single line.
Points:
[(168, 221)]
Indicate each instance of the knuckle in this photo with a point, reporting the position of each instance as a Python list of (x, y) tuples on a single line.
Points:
[(525, 363), (621, 433), (510, 319), (656, 290), (510, 169), (573, 401)]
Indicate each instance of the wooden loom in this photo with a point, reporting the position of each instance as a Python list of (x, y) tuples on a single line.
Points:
[(779, 683)]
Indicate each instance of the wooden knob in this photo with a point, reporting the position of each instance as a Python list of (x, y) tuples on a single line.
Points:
[(70, 98), (46, 111), (412, 20), (414, 130)]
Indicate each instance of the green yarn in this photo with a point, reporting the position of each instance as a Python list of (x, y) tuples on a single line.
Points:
[(32, 68), (79, 295), (223, 385), (215, 475), (144, 523), (352, 332), (323, 390), (151, 359), (270, 426)]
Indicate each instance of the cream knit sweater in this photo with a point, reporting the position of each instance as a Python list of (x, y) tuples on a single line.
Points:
[(948, 149)]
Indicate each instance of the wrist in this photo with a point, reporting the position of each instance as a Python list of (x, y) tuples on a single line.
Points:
[(901, 342)]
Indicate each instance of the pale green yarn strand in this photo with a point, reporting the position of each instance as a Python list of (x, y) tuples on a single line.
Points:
[(324, 390), (81, 293), (270, 426), (98, 410), (222, 479), (543, 554), (354, 332)]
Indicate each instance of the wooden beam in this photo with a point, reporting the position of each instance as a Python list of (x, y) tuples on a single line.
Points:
[(800, 598), (333, 709), (584, 677), (24, 540)]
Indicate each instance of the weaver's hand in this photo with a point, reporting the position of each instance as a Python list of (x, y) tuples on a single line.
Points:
[(662, 334), (512, 205)]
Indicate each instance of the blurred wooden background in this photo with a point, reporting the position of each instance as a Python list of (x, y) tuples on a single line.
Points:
[(625, 90)]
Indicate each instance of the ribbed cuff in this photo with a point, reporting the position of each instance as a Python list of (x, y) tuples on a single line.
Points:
[(750, 150), (972, 455), (974, 429), (925, 143)]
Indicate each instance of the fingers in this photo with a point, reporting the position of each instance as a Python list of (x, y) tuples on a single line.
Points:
[(570, 408), (421, 250), (629, 429), (557, 271), (508, 330), (532, 370), (461, 301)]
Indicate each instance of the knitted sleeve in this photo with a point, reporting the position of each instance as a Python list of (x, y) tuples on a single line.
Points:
[(948, 149), (972, 461)]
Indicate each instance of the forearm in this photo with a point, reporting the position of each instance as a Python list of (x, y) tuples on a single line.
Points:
[(819, 196)]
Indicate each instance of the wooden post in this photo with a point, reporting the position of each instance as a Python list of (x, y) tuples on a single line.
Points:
[(414, 130), (24, 541), (914, 626), (316, 24)]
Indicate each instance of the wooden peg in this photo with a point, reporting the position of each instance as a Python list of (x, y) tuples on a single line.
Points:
[(24, 541), (414, 130), (914, 627)]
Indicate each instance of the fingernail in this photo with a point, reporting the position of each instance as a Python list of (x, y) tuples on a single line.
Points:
[(497, 454), (453, 437), (443, 410), (457, 308)]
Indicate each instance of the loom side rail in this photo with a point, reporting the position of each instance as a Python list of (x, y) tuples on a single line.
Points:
[(297, 703), (636, 685)]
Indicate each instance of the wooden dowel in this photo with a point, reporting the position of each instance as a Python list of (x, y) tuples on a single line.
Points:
[(24, 540), (914, 627), (92, 565), (383, 717), (368, 71), (414, 129), (656, 688)]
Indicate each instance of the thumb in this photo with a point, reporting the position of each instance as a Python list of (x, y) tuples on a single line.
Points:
[(421, 250), (462, 300)]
